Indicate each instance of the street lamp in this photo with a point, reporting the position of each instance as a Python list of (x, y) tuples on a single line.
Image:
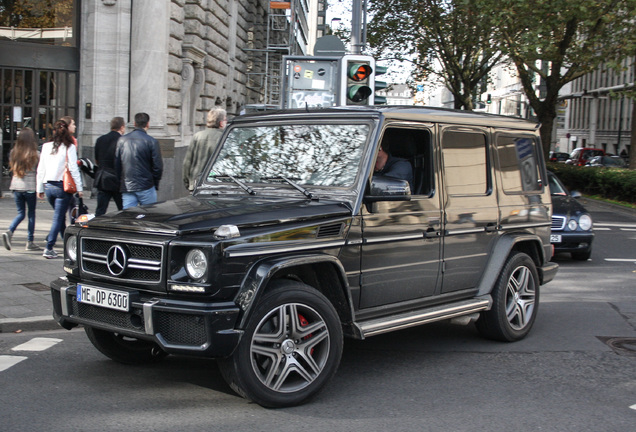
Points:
[(333, 21)]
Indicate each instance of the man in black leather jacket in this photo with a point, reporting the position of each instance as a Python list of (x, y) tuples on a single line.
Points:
[(138, 164)]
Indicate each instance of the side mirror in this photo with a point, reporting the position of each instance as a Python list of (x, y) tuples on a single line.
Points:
[(388, 189), (575, 194)]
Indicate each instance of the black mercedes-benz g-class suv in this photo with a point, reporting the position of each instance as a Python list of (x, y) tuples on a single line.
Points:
[(290, 243)]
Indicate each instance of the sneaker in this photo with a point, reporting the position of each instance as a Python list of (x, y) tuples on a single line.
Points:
[(30, 246), (6, 239), (49, 253)]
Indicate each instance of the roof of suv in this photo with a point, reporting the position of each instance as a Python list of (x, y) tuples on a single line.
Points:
[(412, 113)]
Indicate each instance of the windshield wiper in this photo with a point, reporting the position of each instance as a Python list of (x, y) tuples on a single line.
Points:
[(243, 186), (294, 185)]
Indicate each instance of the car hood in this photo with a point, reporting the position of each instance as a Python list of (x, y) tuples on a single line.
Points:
[(201, 214), (566, 206)]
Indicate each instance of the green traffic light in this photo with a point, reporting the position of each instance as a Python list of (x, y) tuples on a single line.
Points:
[(358, 93)]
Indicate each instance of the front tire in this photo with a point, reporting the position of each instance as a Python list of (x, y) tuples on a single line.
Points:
[(515, 301), (290, 349), (124, 349)]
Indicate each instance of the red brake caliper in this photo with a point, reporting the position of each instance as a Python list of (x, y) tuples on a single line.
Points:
[(304, 323)]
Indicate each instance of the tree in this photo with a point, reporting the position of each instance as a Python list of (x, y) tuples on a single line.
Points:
[(449, 39), (553, 42)]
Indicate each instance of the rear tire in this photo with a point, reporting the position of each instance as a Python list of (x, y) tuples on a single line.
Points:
[(290, 349), (515, 301), (124, 349)]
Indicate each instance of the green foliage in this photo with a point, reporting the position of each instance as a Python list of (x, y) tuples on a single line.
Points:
[(447, 39), (610, 183)]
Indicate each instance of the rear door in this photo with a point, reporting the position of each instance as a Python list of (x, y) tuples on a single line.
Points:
[(471, 216)]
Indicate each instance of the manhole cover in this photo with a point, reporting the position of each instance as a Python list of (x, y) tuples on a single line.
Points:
[(36, 286), (621, 345)]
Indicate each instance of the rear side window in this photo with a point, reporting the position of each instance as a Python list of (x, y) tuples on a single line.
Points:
[(518, 163), (465, 163)]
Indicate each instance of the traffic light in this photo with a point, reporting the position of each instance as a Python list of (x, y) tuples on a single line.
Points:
[(356, 80), (379, 85), (489, 98)]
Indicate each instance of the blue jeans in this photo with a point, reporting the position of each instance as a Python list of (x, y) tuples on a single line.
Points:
[(132, 199), (29, 200), (59, 200)]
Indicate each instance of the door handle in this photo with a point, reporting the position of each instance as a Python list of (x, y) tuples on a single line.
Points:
[(491, 227)]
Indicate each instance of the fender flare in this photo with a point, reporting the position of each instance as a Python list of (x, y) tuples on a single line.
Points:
[(262, 272), (498, 257)]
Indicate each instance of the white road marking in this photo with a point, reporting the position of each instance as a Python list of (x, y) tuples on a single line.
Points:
[(37, 344), (602, 229), (621, 259), (628, 229), (613, 224), (633, 407), (7, 361)]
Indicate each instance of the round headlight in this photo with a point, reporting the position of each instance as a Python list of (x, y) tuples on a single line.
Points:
[(572, 225), (196, 263), (585, 222), (71, 248)]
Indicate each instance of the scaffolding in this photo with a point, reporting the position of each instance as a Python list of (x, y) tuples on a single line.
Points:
[(267, 46)]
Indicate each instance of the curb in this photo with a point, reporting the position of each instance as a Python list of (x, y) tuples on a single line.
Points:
[(18, 325)]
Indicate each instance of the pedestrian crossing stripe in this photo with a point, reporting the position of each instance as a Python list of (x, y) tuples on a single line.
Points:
[(6, 361), (37, 344)]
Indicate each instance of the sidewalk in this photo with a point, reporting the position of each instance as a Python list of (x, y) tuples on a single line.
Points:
[(25, 297)]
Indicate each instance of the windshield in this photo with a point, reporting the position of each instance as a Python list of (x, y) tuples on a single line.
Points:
[(312, 155), (556, 188)]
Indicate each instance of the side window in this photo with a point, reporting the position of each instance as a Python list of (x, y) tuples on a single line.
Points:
[(414, 145), (465, 163), (518, 163)]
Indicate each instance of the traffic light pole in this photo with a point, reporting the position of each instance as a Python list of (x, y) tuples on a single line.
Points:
[(356, 27)]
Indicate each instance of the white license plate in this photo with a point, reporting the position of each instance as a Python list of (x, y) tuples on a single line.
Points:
[(555, 238), (103, 297)]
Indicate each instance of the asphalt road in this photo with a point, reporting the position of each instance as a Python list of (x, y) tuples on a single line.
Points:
[(576, 371)]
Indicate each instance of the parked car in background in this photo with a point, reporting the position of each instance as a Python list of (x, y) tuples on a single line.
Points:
[(571, 224), (607, 162), (581, 155), (559, 156)]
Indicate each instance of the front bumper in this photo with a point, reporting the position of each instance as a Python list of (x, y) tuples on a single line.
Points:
[(574, 242), (178, 327)]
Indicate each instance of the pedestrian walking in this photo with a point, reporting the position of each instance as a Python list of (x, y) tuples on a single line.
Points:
[(106, 180), (23, 161), (138, 164), (203, 145), (55, 156)]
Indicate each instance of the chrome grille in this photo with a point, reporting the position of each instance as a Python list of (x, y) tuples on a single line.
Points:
[(143, 260), (558, 223)]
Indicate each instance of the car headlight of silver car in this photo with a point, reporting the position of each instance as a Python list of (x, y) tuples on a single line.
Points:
[(196, 264), (585, 222)]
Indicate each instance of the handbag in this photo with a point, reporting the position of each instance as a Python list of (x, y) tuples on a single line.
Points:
[(106, 180), (69, 183)]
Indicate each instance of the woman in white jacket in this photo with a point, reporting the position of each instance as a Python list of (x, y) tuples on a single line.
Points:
[(53, 159)]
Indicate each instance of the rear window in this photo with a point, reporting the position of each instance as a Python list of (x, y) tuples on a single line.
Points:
[(518, 163)]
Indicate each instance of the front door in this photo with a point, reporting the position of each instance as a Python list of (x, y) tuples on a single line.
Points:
[(401, 245)]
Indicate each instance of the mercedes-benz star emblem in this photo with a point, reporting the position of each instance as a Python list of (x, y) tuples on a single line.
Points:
[(116, 260)]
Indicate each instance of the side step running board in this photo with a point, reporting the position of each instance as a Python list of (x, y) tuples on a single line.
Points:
[(423, 316)]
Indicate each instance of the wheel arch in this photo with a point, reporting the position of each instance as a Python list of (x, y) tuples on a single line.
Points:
[(324, 273), (529, 244)]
